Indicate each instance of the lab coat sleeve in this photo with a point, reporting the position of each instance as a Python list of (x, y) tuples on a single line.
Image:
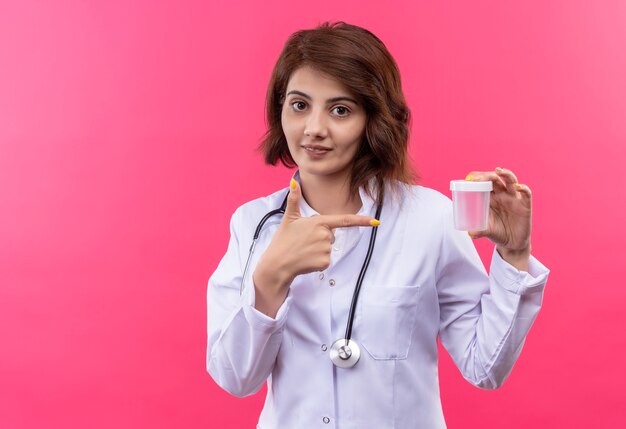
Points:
[(242, 342), (484, 320)]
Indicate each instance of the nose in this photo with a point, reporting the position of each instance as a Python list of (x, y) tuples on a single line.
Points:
[(315, 125)]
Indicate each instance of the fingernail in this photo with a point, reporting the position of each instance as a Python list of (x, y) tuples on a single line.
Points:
[(468, 177), (470, 234), (293, 184), (499, 169), (519, 185), (374, 222)]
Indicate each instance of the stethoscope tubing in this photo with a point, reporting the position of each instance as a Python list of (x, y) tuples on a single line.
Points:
[(352, 348), (359, 282), (257, 232)]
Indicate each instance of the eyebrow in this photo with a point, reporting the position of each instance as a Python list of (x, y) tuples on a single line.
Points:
[(330, 100)]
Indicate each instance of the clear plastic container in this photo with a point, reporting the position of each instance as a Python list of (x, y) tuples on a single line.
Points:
[(470, 201)]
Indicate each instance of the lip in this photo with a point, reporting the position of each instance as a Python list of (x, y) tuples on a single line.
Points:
[(316, 151), (315, 147)]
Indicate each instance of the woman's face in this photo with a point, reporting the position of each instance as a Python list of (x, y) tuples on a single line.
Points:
[(323, 123)]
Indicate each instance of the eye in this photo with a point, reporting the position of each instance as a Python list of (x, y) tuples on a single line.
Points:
[(341, 111), (298, 106)]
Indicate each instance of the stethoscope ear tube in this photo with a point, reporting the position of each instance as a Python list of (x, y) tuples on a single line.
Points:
[(257, 232), (245, 270), (280, 210)]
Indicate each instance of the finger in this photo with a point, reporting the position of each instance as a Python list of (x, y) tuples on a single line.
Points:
[(292, 211), (524, 190), (344, 221), (477, 234), (322, 262), (508, 176), (487, 176), (324, 234)]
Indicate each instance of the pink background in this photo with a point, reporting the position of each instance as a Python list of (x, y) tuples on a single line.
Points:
[(128, 134)]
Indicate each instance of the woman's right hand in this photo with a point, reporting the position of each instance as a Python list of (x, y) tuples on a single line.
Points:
[(301, 245)]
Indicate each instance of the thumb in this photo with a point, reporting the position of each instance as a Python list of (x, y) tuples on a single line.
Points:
[(292, 211), (477, 234)]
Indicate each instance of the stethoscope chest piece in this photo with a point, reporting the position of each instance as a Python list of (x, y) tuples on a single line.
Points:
[(345, 353)]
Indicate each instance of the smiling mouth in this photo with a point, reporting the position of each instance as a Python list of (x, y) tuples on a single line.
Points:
[(316, 149)]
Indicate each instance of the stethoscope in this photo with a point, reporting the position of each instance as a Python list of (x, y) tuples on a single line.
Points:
[(344, 352)]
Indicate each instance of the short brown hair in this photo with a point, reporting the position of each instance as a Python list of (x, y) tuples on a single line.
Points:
[(360, 61)]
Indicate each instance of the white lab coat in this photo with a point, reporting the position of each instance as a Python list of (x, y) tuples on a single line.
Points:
[(425, 280)]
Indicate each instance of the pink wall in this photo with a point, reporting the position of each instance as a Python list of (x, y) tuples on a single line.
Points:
[(127, 136)]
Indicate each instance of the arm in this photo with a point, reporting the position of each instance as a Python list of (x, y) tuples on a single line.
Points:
[(300, 246), (242, 342), (484, 320)]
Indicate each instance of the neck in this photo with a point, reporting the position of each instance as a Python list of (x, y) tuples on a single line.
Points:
[(329, 195)]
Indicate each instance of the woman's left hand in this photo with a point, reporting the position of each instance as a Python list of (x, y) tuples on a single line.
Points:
[(510, 214)]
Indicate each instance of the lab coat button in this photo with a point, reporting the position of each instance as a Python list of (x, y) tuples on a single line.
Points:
[(326, 420), (331, 282), (324, 348), (321, 276)]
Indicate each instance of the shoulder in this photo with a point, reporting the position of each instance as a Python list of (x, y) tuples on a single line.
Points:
[(421, 211), (419, 218), (250, 213), (419, 198)]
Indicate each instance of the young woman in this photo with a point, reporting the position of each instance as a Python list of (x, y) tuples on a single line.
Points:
[(340, 302)]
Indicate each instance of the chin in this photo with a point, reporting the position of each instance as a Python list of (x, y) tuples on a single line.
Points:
[(322, 171)]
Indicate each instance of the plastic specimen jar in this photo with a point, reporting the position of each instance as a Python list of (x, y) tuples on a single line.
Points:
[(470, 202)]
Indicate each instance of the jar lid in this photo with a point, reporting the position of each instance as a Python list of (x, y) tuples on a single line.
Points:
[(470, 186)]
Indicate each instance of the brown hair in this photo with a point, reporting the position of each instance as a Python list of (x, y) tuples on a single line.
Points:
[(360, 61)]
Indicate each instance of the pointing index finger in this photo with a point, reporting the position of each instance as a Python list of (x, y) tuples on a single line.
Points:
[(346, 221)]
